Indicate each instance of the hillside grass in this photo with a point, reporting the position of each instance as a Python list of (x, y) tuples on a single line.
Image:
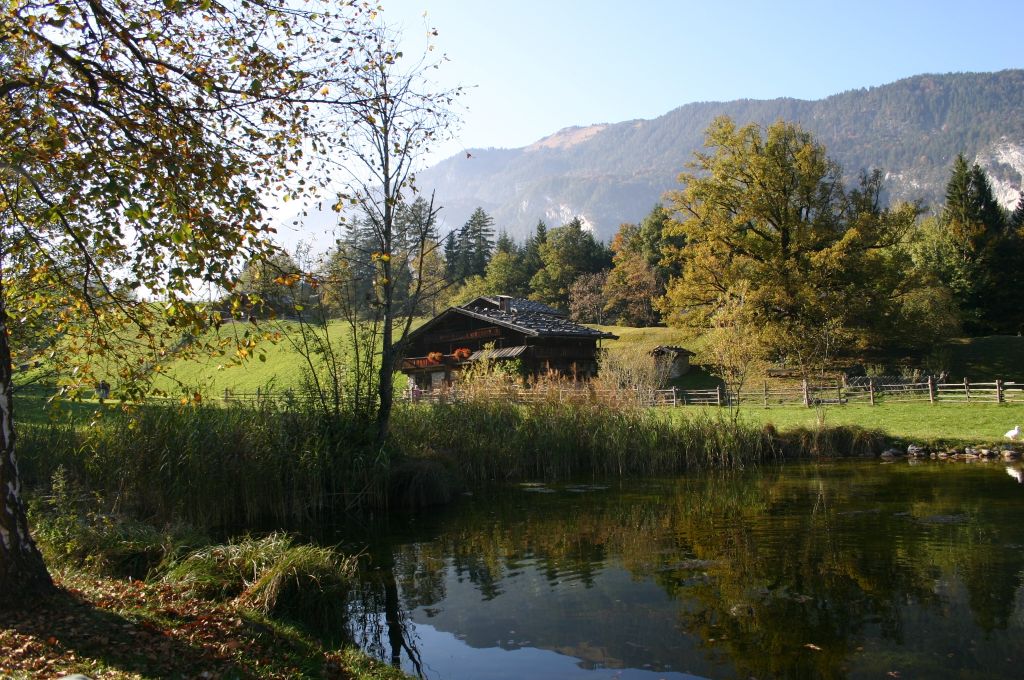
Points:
[(987, 358), (276, 363), (284, 363)]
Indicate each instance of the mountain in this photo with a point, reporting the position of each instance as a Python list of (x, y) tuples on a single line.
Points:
[(613, 173)]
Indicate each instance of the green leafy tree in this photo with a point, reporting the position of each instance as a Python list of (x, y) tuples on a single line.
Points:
[(431, 277), (136, 140), (507, 275), (567, 252), (471, 288)]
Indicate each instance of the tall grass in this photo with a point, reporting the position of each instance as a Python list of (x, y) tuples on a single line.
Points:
[(215, 467), (491, 440), (267, 465), (275, 576), (77, 530)]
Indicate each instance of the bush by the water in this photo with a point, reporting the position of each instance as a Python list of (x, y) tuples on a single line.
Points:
[(273, 575), (80, 531)]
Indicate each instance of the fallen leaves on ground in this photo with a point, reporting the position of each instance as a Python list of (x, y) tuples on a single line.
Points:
[(129, 629)]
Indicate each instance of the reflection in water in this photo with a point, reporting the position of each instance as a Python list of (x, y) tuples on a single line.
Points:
[(839, 570)]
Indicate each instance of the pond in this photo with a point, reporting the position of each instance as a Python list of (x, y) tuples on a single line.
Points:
[(835, 570)]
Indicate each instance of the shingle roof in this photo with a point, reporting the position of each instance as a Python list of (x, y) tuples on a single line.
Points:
[(536, 324), (665, 349), (514, 305)]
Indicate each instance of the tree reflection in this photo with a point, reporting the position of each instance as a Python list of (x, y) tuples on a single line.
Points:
[(380, 622), (788, 572)]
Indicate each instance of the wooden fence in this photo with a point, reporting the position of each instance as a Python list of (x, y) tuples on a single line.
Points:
[(929, 390), (805, 394)]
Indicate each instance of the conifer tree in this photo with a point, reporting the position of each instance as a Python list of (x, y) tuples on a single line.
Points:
[(531, 250), (985, 253), (1017, 217), (468, 250), (480, 236)]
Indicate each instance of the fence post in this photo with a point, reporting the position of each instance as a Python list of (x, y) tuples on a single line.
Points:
[(718, 394), (931, 390), (839, 392), (807, 396), (999, 391), (674, 390), (766, 394), (871, 391), (225, 395), (967, 389)]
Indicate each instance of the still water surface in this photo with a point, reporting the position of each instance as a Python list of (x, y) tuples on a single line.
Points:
[(839, 570)]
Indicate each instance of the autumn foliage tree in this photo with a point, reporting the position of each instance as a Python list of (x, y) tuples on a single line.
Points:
[(137, 141), (773, 239)]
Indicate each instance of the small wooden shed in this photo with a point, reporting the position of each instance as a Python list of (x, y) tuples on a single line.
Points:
[(680, 357)]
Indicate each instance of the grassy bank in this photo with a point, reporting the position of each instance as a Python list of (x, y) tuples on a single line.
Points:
[(278, 465), (555, 441), (951, 424), (214, 467)]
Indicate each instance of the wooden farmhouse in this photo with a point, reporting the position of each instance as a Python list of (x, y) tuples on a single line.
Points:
[(500, 328)]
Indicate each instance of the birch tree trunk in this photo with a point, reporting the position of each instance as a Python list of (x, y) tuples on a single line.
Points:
[(22, 571)]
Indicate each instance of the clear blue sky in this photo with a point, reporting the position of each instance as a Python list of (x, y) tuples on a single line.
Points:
[(538, 66), (533, 67)]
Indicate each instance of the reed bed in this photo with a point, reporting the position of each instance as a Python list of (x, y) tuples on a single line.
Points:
[(488, 440), (269, 465), (216, 468)]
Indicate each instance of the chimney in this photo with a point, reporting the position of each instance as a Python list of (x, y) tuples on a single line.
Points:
[(505, 303)]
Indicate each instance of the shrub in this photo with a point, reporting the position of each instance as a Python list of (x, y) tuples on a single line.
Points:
[(74, 530), (304, 583)]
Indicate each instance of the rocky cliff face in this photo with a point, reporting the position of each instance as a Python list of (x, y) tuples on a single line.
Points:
[(613, 173), (1004, 162)]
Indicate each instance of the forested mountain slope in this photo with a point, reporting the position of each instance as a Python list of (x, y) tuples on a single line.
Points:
[(612, 173)]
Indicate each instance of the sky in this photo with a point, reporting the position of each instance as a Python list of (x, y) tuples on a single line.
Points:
[(535, 67)]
